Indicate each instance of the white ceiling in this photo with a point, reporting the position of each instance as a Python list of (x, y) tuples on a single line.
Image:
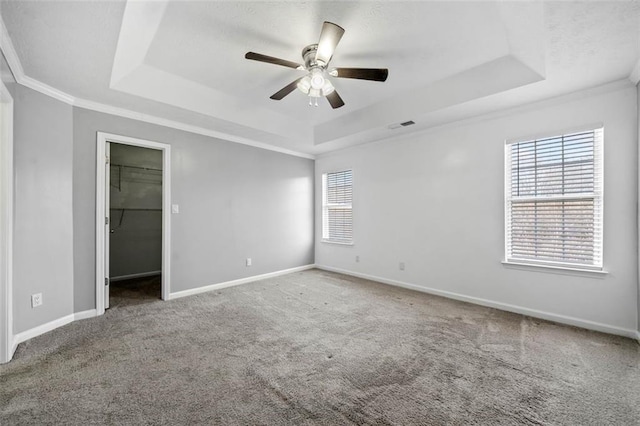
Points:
[(184, 61)]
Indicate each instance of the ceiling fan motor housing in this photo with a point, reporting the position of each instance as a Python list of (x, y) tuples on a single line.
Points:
[(309, 56)]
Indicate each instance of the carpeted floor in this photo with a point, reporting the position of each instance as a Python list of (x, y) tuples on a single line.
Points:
[(136, 291), (317, 348)]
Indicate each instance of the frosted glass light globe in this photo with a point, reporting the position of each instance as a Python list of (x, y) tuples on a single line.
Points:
[(317, 80)]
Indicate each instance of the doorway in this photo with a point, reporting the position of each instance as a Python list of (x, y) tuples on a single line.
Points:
[(133, 225)]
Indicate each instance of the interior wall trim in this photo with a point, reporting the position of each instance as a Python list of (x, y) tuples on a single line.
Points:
[(151, 119), (85, 314), (50, 326), (6, 45), (211, 287), (57, 323), (562, 319), (610, 87), (6, 224), (102, 140), (41, 329)]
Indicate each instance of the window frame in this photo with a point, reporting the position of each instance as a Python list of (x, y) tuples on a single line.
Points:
[(597, 196), (325, 208)]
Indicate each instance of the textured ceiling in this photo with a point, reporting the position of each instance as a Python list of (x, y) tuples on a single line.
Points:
[(184, 61), (216, 33)]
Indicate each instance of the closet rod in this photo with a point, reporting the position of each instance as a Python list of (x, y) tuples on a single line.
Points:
[(148, 210), (136, 167)]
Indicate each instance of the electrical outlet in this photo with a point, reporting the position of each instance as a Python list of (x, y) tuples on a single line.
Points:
[(357, 258), (401, 266), (36, 300), (248, 261)]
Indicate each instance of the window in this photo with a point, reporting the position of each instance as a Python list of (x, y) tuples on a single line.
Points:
[(337, 215), (554, 200)]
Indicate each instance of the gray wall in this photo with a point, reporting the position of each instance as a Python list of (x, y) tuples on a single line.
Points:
[(435, 201), (135, 241), (235, 201), (43, 216), (638, 248)]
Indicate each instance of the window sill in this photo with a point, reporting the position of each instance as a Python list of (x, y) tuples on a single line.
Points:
[(557, 269), (339, 243)]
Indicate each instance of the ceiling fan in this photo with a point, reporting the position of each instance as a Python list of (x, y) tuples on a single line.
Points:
[(316, 82)]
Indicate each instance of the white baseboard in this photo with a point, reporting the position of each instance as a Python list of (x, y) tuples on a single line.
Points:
[(41, 329), (52, 325), (11, 350), (131, 276), (85, 314), (226, 284), (563, 319), (44, 328)]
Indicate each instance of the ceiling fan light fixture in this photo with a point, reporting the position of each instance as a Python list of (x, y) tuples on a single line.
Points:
[(327, 88), (316, 83), (304, 84), (317, 79)]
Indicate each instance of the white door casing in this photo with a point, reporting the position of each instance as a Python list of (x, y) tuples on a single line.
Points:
[(102, 212), (107, 222), (7, 347)]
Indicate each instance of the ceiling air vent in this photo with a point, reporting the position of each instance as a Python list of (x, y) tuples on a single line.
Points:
[(403, 124)]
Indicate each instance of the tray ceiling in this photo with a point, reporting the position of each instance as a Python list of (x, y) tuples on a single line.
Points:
[(184, 61)]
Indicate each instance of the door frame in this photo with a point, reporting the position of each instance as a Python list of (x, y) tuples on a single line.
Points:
[(102, 140), (7, 347)]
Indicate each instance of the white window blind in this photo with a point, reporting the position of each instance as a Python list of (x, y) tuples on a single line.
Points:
[(554, 200), (337, 214)]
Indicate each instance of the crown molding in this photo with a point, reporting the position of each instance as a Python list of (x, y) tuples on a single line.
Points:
[(45, 89), (610, 87), (151, 119), (6, 45), (9, 52)]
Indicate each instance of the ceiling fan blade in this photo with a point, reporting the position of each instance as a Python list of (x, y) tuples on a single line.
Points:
[(271, 60), (329, 39), (374, 74), (335, 100), (285, 90)]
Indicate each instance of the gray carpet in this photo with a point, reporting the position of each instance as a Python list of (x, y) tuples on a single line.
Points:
[(317, 348)]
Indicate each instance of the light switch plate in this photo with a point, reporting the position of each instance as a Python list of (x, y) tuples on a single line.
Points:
[(175, 208)]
